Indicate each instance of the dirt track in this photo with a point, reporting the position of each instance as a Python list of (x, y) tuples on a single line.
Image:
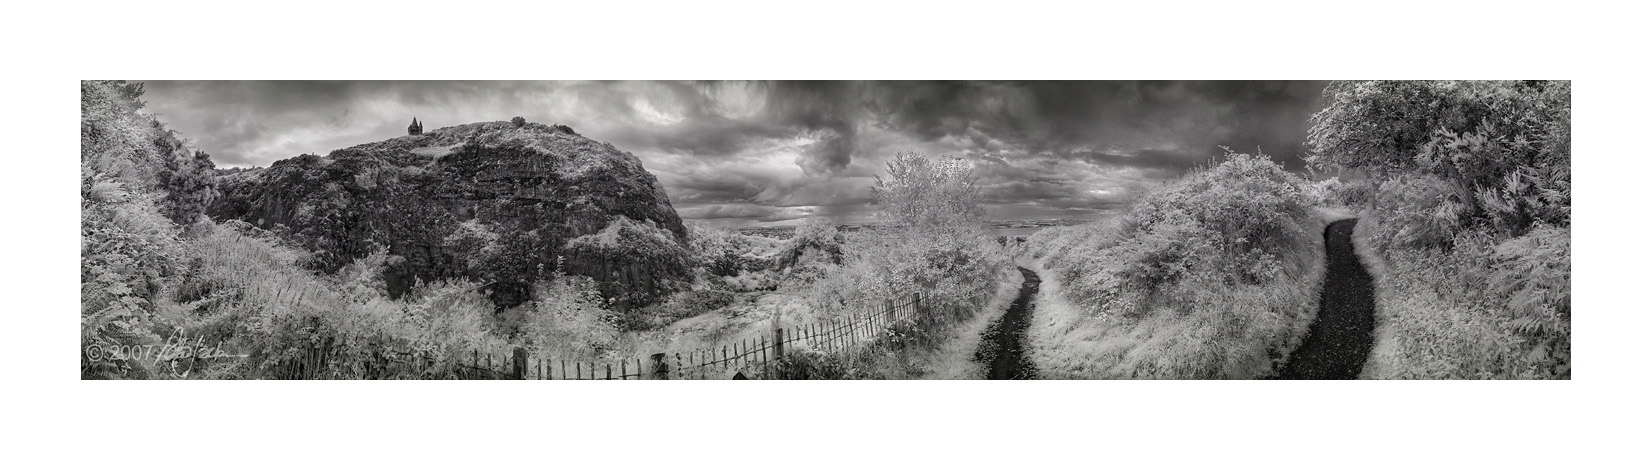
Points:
[(1340, 337), (1001, 345)]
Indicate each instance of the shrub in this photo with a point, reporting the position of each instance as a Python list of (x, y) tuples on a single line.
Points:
[(936, 243), (815, 246), (1504, 147), (1468, 210), (121, 145), (1418, 211), (807, 364), (1245, 221), (569, 318), (720, 252), (1212, 276)]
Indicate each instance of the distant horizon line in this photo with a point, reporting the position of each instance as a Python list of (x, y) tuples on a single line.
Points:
[(1046, 219)]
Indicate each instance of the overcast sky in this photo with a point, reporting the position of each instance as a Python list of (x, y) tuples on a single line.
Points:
[(761, 153)]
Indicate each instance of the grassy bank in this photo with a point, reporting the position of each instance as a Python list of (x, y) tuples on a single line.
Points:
[(1215, 276), (1446, 315), (945, 351)]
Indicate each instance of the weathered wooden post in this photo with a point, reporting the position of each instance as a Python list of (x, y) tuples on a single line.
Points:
[(779, 343), (659, 370), (917, 308), (518, 363)]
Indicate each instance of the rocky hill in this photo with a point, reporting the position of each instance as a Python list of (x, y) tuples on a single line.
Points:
[(496, 201)]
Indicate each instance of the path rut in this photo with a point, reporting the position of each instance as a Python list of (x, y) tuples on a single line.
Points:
[(1002, 348), (1340, 338)]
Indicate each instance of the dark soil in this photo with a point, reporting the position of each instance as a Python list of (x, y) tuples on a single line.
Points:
[(1340, 337), (1000, 346)]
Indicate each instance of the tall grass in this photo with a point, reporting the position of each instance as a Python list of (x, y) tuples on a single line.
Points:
[(1480, 310)]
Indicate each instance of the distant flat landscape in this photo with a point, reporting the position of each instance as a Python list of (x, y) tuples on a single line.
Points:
[(1016, 227)]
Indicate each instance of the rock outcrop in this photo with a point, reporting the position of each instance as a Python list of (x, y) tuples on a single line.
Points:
[(491, 201)]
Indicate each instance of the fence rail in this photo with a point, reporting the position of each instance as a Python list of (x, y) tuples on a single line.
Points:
[(751, 357)]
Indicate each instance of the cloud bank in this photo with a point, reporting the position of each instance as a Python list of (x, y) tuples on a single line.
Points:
[(751, 153)]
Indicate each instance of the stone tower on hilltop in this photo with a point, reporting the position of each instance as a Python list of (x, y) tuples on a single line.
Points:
[(416, 128)]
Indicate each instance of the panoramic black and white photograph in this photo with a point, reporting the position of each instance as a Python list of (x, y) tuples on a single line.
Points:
[(832, 230), (825, 230)]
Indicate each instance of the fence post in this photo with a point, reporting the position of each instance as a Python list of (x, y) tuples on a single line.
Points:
[(779, 343), (922, 317), (518, 363), (660, 371)]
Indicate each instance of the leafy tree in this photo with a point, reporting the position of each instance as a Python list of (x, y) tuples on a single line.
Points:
[(937, 244), (920, 192)]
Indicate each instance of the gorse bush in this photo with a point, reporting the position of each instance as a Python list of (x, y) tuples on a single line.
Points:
[(1244, 222), (1213, 276), (1468, 206)]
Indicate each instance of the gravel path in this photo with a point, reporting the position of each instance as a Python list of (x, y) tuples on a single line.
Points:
[(1001, 345), (1340, 337)]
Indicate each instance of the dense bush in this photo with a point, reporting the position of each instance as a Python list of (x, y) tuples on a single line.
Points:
[(138, 182), (1212, 276), (816, 246), (1242, 222), (1504, 147), (936, 244), (569, 319), (1468, 207), (720, 252), (807, 364), (120, 145), (1480, 309)]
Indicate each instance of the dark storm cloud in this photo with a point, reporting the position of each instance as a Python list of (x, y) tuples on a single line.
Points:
[(748, 152), (829, 110), (1140, 124)]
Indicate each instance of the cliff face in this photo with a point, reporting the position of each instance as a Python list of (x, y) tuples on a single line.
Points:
[(488, 201)]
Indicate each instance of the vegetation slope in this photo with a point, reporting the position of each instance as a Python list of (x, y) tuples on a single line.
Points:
[(1466, 206), (1215, 276)]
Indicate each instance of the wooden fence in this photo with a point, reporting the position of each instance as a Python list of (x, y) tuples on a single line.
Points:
[(756, 357), (751, 357)]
